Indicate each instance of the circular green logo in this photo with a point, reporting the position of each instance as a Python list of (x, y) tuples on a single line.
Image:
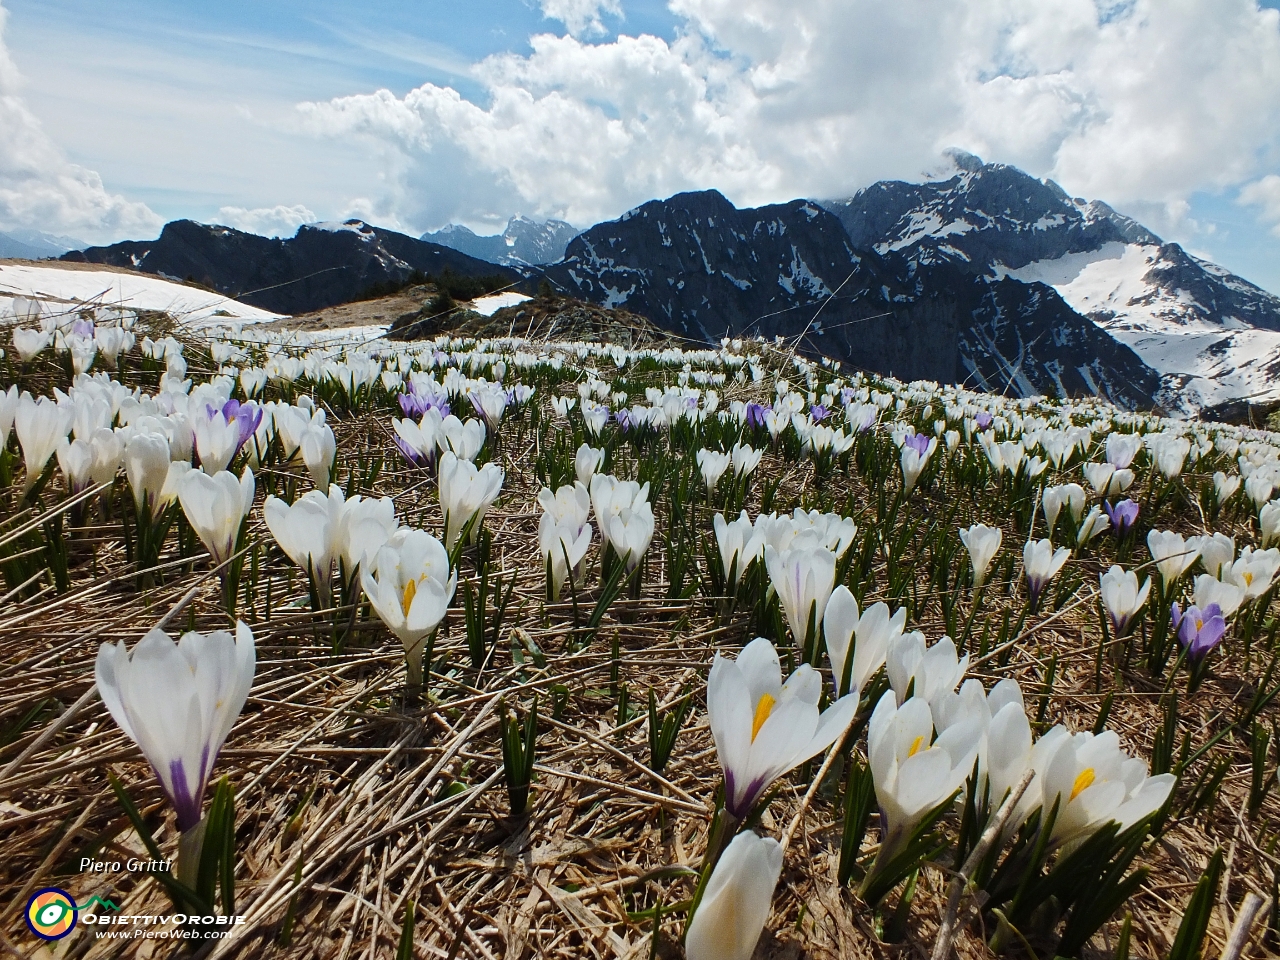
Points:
[(51, 913)]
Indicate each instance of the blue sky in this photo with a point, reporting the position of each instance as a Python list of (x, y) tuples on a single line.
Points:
[(263, 114)]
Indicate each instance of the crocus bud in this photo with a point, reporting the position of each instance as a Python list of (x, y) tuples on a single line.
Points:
[(40, 425), (215, 507), (735, 904), (177, 702), (146, 465), (466, 493), (983, 543)]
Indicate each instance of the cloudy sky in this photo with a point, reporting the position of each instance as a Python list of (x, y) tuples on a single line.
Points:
[(116, 116)]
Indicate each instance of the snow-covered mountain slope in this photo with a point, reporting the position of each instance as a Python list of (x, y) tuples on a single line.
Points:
[(1207, 353), (523, 242), (64, 288), (322, 265), (1212, 336), (696, 265)]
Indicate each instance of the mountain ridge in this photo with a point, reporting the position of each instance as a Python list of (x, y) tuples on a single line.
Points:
[(791, 270), (524, 242), (321, 266)]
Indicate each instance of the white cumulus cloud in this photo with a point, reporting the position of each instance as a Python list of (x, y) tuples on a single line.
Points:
[(40, 188), (277, 221), (1264, 193), (582, 18), (1139, 102)]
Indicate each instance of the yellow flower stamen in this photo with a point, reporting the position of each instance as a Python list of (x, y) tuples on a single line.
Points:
[(1083, 782), (763, 709), (1248, 578), (915, 746), (410, 590)]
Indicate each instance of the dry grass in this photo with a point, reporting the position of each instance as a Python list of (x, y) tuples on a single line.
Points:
[(352, 803)]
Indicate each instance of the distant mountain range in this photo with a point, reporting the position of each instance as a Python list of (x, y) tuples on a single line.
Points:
[(989, 277), (34, 245), (524, 242), (323, 265), (696, 264), (921, 275)]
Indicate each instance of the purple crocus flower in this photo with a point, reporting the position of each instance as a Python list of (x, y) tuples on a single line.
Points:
[(83, 328), (917, 442), (755, 414), (415, 402), (1199, 631), (624, 418), (1121, 515), (983, 419), (246, 416), (819, 413), (409, 401)]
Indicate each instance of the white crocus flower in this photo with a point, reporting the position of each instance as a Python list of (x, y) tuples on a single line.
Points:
[(1051, 502), (1170, 453), (29, 343), (739, 544), (1074, 499), (735, 903), (1106, 479), (1041, 563), (1254, 572), (40, 426), (464, 440), (1216, 551), (1225, 486), (913, 773), (745, 459), (215, 507), (803, 576), (869, 636), (914, 461), (1122, 598), (318, 448), (409, 585), (936, 670), (1095, 523), (108, 453), (587, 463), (364, 526), (1227, 595), (8, 410), (466, 493), (178, 702), (983, 543), (1257, 489), (630, 531), (564, 534), (713, 465), (764, 727), (491, 403), (1269, 522), (1094, 782), (75, 459), (611, 496), (1172, 554), (146, 465), (1004, 741), (307, 532), (1122, 448)]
